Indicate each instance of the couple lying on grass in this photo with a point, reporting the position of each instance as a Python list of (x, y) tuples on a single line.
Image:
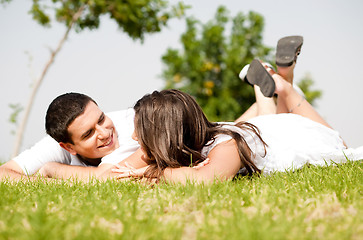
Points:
[(167, 136)]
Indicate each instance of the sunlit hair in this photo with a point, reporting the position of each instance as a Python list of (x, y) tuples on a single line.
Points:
[(172, 130)]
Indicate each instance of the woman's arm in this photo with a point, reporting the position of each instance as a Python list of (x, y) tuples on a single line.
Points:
[(224, 164), (134, 161)]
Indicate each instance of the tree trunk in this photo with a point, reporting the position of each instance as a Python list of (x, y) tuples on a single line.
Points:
[(21, 128)]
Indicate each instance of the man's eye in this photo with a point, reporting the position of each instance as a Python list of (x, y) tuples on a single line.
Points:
[(102, 119), (88, 134)]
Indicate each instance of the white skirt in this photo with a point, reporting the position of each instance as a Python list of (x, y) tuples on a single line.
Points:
[(294, 141)]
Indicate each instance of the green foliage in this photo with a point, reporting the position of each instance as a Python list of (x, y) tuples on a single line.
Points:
[(210, 61), (4, 1), (211, 58), (305, 85), (311, 203), (16, 109), (135, 17)]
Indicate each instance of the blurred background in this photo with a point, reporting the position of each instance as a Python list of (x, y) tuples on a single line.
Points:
[(116, 71)]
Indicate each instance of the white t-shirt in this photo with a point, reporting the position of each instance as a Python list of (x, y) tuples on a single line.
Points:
[(48, 150)]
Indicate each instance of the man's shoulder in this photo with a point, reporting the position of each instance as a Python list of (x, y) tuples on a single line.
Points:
[(44, 151), (124, 124), (121, 114), (47, 146)]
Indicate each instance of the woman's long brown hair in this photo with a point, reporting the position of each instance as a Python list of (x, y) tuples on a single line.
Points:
[(172, 130)]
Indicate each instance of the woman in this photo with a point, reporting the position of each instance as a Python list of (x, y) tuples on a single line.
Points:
[(174, 134)]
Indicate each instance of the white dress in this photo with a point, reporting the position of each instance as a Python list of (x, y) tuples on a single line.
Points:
[(293, 141)]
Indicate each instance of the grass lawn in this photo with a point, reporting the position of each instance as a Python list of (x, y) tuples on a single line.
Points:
[(311, 203)]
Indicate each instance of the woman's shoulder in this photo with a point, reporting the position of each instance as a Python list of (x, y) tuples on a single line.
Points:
[(224, 137)]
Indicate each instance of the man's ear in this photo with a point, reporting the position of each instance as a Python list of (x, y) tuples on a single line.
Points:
[(68, 147)]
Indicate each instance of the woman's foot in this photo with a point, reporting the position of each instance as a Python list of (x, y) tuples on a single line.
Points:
[(282, 86), (243, 74), (258, 75), (287, 50), (267, 79)]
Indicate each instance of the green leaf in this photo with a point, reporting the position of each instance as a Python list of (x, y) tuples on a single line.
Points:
[(212, 55)]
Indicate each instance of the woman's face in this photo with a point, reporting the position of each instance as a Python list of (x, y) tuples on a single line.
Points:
[(134, 137)]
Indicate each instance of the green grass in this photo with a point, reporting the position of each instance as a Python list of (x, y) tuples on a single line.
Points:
[(312, 203)]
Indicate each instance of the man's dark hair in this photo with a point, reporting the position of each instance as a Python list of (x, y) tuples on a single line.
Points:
[(62, 112)]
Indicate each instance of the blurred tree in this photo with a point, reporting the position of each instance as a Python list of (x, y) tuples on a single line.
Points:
[(209, 64), (135, 17), (211, 58), (305, 85)]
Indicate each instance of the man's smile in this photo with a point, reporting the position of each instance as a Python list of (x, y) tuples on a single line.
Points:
[(109, 142)]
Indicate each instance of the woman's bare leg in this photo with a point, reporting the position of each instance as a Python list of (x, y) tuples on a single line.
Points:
[(291, 101), (288, 48), (294, 102), (262, 106), (287, 73), (297, 103), (251, 112), (265, 105)]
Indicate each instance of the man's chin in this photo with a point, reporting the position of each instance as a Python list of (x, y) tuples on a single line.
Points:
[(90, 161)]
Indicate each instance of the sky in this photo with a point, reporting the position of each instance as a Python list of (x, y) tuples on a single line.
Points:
[(116, 71)]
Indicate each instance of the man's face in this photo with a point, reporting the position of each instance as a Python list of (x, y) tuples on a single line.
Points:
[(93, 134)]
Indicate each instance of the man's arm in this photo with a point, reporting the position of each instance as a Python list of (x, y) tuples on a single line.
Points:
[(31, 160), (103, 171), (65, 171), (11, 171)]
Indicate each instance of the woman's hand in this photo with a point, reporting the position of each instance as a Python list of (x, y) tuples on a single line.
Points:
[(202, 164), (129, 171)]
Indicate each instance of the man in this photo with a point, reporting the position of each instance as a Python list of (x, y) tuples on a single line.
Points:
[(80, 136)]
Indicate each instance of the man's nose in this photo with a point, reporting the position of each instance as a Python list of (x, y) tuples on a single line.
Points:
[(102, 132)]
